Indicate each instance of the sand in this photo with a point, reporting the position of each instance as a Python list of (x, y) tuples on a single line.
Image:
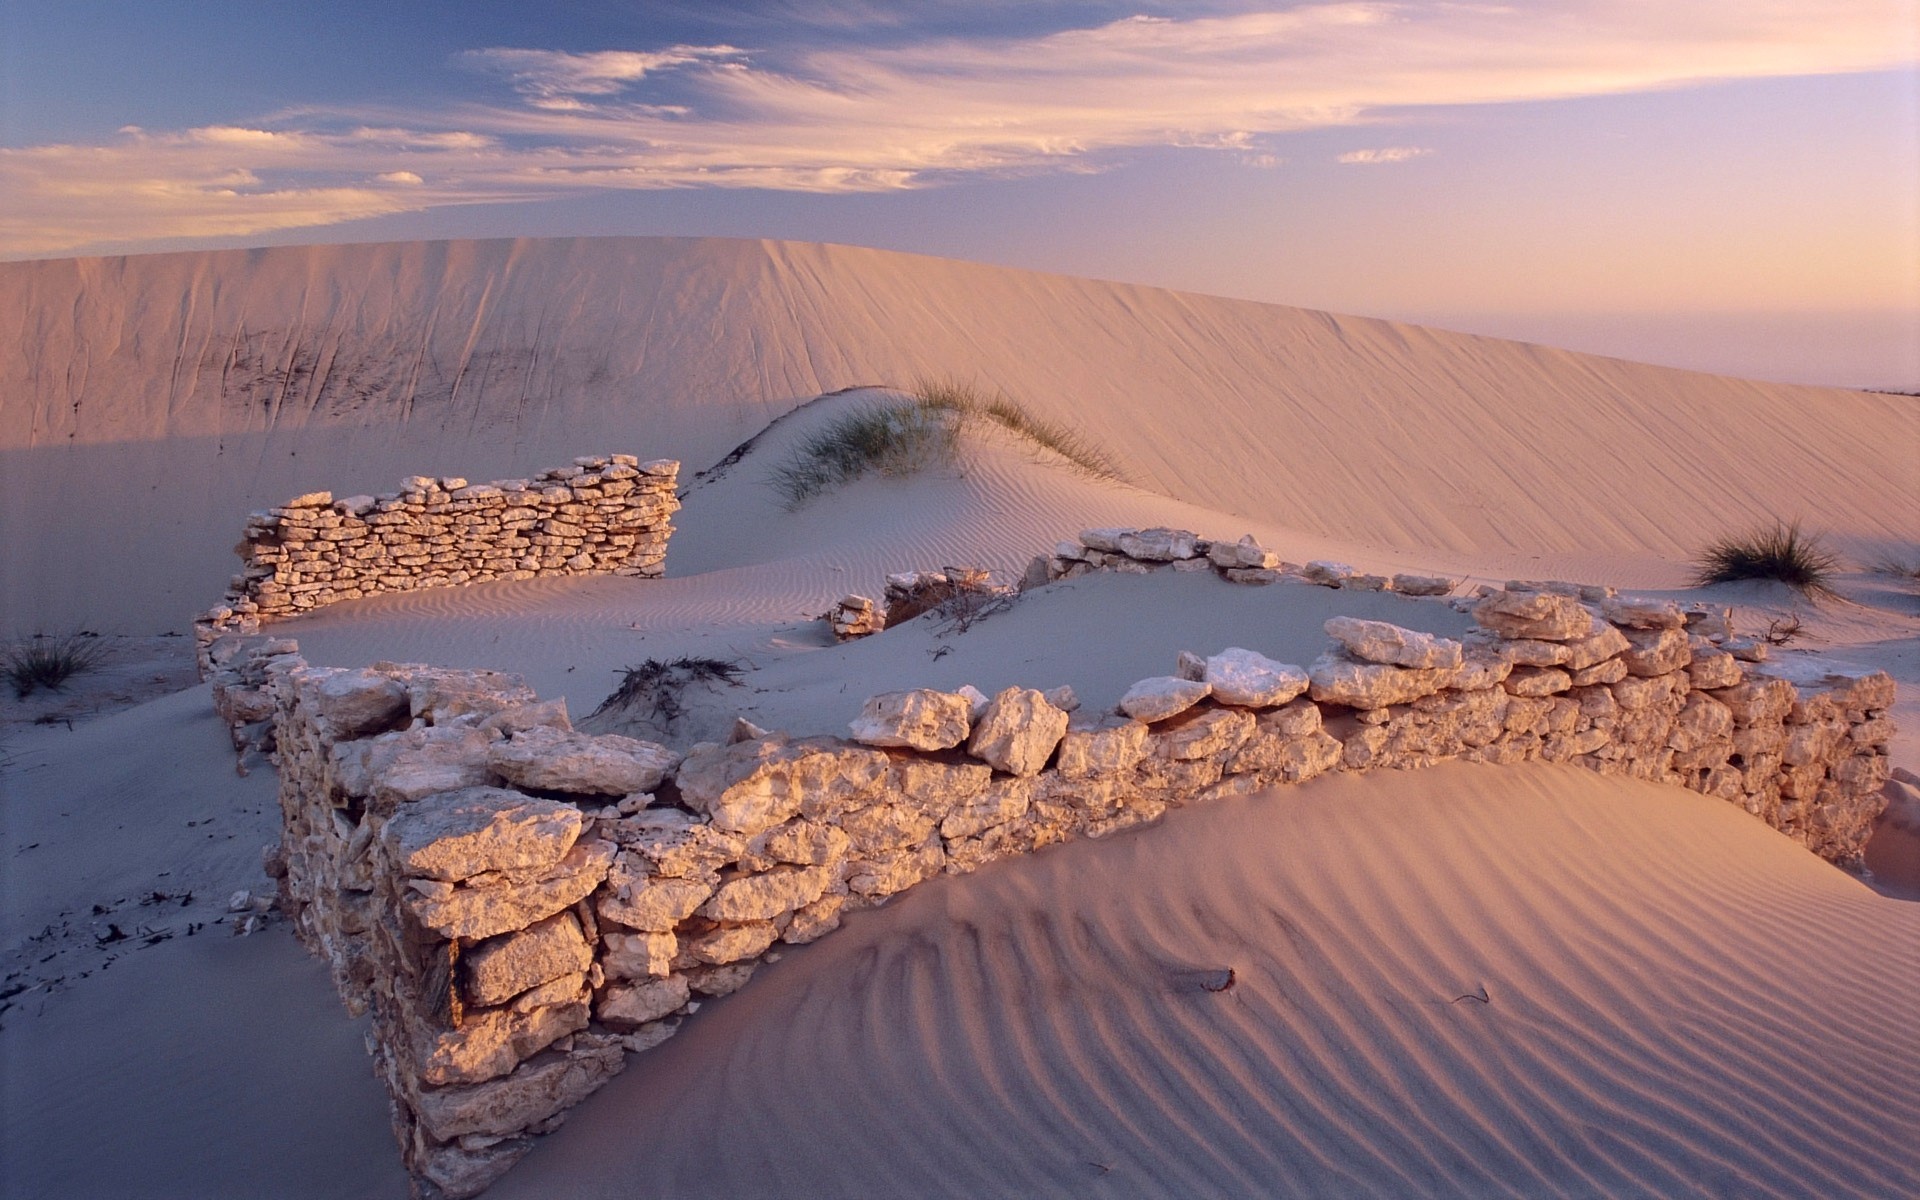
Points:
[(1677, 1000)]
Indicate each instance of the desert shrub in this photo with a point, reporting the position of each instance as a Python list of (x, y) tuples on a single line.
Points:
[(48, 662), (893, 440), (653, 690), (968, 404), (1780, 553)]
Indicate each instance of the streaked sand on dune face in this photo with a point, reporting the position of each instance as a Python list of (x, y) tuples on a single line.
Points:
[(149, 402), (1678, 1002)]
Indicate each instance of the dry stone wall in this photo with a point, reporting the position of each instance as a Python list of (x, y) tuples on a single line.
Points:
[(521, 905), (601, 515)]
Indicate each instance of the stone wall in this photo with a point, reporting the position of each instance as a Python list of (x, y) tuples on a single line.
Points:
[(521, 905), (602, 515)]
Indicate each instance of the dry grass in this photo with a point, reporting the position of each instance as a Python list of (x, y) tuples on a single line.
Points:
[(892, 440), (968, 403), (1781, 554), (48, 662)]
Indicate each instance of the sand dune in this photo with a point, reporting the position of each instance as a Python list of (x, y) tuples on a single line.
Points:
[(1680, 1003), (147, 403)]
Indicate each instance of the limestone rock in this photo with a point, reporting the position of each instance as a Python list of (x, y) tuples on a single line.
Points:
[(1085, 753), (752, 786), (653, 904), (1547, 616), (630, 1006), (1381, 642), (1018, 732), (1643, 614), (767, 895), (1103, 539), (1336, 679), (1201, 733), (639, 955), (1537, 681), (491, 1042), (502, 967), (1326, 573), (557, 760), (1529, 652), (1656, 651), (811, 844), (1245, 554), (1161, 697), (921, 719), (510, 900), (1004, 801), (731, 943), (1157, 545), (1251, 680), (352, 703), (536, 1090), (458, 834), (1714, 670), (1423, 585), (1591, 651)]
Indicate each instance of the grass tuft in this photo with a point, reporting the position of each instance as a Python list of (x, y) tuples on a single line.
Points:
[(48, 662), (1897, 567), (653, 689), (896, 440), (1781, 554), (966, 402)]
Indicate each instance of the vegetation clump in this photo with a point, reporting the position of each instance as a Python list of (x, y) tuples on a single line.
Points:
[(893, 440), (903, 439), (1781, 554), (48, 662), (654, 690)]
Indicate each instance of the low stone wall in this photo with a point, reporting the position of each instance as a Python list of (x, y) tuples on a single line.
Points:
[(1138, 551), (521, 905), (602, 515)]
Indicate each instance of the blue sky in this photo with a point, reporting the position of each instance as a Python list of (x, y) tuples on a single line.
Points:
[(1728, 185)]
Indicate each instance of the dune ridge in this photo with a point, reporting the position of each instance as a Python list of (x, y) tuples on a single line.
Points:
[(150, 401)]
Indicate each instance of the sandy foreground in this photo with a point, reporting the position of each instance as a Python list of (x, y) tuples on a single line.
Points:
[(1464, 981)]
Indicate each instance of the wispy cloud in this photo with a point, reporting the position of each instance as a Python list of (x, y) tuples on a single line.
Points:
[(1385, 154), (911, 113)]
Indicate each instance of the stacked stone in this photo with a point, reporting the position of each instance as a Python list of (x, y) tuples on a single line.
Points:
[(856, 617), (521, 904), (1141, 551), (601, 515)]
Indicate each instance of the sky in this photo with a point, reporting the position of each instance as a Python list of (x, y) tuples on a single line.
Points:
[(1732, 185)]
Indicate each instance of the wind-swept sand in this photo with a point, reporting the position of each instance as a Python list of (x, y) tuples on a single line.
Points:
[(147, 402), (1677, 1000)]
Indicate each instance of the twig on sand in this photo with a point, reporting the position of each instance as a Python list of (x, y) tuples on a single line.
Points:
[(1483, 996)]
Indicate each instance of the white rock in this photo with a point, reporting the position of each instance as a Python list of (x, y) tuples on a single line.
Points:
[(1018, 732), (1158, 544), (1381, 642), (1326, 572), (1161, 697), (1252, 680), (922, 719)]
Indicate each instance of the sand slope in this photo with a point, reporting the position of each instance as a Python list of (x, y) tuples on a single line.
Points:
[(1681, 1003), (146, 403)]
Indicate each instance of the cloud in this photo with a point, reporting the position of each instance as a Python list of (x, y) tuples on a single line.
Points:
[(1386, 154), (912, 112)]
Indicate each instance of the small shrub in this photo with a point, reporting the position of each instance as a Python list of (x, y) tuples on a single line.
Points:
[(966, 402), (1782, 554), (893, 440), (48, 662), (652, 691)]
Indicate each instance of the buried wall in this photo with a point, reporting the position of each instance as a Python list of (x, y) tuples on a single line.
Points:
[(520, 905), (600, 516)]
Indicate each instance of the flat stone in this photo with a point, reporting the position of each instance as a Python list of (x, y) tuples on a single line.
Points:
[(1245, 554), (1643, 614), (1423, 585), (454, 835), (921, 719), (767, 895), (732, 943), (1158, 544), (630, 1006), (1381, 642), (1006, 800), (652, 904), (500, 907), (561, 761), (502, 967), (751, 786), (1251, 680), (350, 704), (1085, 753), (1591, 651), (1018, 732), (1326, 572), (1161, 697), (492, 1042), (536, 1090), (1548, 616), (1203, 733), (647, 955), (1336, 679), (1656, 651), (1537, 681)]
